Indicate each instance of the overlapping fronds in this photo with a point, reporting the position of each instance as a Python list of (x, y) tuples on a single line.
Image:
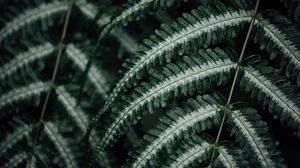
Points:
[(181, 100), (14, 137), (95, 76), (252, 134), (280, 38), (61, 145), (192, 153), (198, 29), (229, 156), (273, 92), (192, 74), (197, 115)]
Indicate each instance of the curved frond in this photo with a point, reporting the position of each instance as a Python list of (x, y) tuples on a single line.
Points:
[(13, 138), (192, 153), (95, 76), (196, 115), (200, 28), (22, 93), (252, 134), (62, 146), (192, 74), (74, 112), (90, 11), (273, 91), (229, 157), (280, 38), (137, 9), (32, 15), (21, 60)]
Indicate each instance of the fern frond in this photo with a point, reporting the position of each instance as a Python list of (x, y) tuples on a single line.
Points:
[(79, 116), (186, 77), (74, 112), (137, 9), (23, 93), (90, 11), (16, 160), (197, 115), (229, 156), (95, 76), (192, 153), (273, 91), (280, 37), (252, 134), (200, 28), (21, 60), (62, 146), (32, 15), (13, 138)]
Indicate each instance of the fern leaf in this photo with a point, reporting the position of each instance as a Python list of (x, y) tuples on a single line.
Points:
[(273, 91), (32, 15), (197, 115), (69, 103), (22, 93), (79, 116), (200, 28), (193, 153), (280, 37), (95, 76), (90, 11), (16, 160), (13, 138), (229, 156), (21, 60), (62, 146), (76, 113), (182, 78), (248, 128), (137, 9)]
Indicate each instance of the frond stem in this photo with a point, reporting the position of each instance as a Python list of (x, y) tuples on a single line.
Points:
[(234, 80), (54, 74)]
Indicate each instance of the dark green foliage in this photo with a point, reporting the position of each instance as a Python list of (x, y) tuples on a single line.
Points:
[(195, 93)]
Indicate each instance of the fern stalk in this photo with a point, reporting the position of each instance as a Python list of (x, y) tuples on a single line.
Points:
[(58, 58), (234, 79)]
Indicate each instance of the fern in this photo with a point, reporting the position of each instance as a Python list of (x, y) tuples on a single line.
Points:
[(60, 143), (189, 119), (266, 85), (94, 75), (23, 59), (12, 139), (135, 10), (22, 93), (30, 16), (279, 42), (193, 153), (180, 79), (183, 97), (177, 37), (250, 131)]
